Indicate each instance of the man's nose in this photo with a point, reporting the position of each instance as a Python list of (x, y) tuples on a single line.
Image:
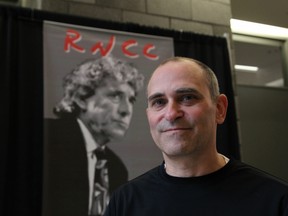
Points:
[(173, 111), (125, 107)]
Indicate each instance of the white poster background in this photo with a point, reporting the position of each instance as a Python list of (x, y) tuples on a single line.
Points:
[(136, 149)]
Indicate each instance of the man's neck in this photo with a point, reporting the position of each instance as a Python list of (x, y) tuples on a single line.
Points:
[(191, 167), (99, 138)]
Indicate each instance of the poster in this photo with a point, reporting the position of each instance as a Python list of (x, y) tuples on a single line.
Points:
[(65, 47)]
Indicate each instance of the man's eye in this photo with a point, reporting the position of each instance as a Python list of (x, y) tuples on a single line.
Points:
[(157, 103), (132, 100), (187, 98), (115, 97)]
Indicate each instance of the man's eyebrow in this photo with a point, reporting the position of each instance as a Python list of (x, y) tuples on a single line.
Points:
[(156, 95), (187, 90), (178, 91), (118, 91)]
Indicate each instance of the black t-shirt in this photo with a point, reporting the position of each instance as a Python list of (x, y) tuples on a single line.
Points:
[(236, 189)]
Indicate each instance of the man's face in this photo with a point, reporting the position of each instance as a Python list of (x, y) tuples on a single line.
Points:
[(108, 112), (181, 113)]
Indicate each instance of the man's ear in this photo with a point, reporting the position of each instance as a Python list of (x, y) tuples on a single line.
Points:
[(222, 105), (80, 103)]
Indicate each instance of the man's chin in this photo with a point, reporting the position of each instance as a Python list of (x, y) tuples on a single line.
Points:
[(116, 134)]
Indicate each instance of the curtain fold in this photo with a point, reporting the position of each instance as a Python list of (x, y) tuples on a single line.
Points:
[(21, 150), (21, 63)]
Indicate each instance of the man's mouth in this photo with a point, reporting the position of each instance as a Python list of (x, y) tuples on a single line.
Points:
[(121, 123), (175, 129)]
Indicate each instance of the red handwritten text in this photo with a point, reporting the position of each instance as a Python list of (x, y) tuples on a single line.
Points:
[(73, 39)]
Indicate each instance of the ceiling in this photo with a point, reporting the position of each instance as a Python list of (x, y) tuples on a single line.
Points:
[(267, 12)]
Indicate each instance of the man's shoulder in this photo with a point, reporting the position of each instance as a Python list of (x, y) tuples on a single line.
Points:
[(143, 185), (62, 130), (254, 174), (59, 121), (52, 125)]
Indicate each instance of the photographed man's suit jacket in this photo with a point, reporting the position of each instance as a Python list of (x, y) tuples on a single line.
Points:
[(65, 175)]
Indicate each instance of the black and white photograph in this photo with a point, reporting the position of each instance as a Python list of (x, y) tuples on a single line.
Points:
[(94, 106)]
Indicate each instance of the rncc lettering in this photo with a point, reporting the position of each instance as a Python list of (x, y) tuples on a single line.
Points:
[(73, 37)]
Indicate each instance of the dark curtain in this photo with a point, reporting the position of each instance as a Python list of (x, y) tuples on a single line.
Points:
[(213, 51), (22, 87), (21, 77)]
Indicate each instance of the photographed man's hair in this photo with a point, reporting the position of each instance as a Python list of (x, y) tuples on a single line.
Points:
[(82, 82), (210, 76)]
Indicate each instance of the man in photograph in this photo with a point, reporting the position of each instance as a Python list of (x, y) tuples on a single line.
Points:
[(80, 171)]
